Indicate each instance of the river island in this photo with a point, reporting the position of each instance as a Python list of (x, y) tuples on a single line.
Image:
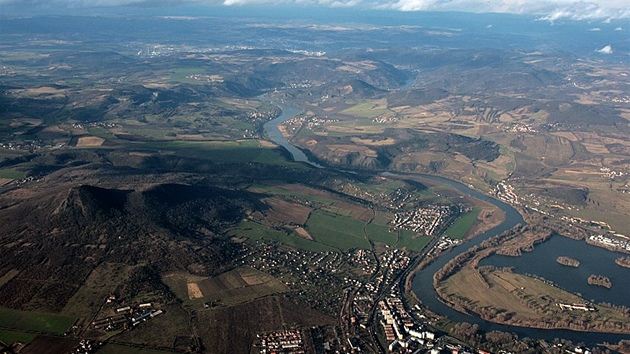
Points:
[(600, 280), (623, 262), (568, 261)]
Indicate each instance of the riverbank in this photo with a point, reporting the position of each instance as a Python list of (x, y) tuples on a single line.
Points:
[(501, 296), (425, 293)]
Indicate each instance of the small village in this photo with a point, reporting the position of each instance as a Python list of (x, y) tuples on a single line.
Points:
[(425, 221), (285, 341)]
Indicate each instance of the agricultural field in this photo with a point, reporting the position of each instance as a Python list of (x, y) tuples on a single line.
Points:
[(371, 109), (123, 349), (257, 231), (224, 151), (36, 322), (233, 287), (283, 211), (412, 243), (50, 345), (10, 337), (336, 224), (10, 174), (462, 225), (101, 282), (337, 230)]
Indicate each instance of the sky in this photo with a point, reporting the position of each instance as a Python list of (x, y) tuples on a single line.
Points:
[(551, 10)]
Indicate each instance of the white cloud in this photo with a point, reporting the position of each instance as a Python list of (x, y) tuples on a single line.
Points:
[(592, 10), (551, 10), (605, 50)]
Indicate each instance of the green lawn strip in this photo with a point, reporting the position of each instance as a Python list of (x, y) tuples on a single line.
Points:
[(263, 188), (461, 226), (366, 110), (256, 231), (121, 349), (38, 322), (10, 337), (336, 230), (412, 242), (228, 151), (380, 233), (11, 173)]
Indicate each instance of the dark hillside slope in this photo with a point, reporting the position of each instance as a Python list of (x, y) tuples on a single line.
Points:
[(60, 237)]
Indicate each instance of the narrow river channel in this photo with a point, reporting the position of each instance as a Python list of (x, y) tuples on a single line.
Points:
[(423, 280)]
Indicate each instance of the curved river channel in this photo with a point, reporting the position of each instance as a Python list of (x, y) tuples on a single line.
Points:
[(423, 280)]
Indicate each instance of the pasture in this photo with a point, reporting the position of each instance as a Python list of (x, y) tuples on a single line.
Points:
[(336, 230), (101, 282), (123, 349), (36, 322), (370, 109), (10, 337), (460, 227), (11, 174), (224, 151), (257, 231)]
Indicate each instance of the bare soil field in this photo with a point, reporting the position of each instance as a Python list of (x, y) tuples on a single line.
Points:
[(50, 345), (90, 141), (373, 142), (44, 90), (283, 211), (4, 181), (194, 292), (303, 233), (8, 276)]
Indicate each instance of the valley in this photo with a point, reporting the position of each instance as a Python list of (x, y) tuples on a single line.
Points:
[(146, 207)]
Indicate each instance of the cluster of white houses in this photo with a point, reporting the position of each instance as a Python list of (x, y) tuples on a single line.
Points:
[(285, 341), (611, 242), (505, 192), (422, 220)]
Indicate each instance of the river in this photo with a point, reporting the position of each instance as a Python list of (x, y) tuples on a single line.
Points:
[(275, 135), (423, 280)]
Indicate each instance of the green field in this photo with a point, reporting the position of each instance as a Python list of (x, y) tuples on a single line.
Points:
[(366, 110), (11, 173), (121, 349), (10, 337), (333, 232), (228, 151), (256, 231), (37, 322), (461, 226), (336, 230), (412, 243), (380, 233), (263, 188)]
